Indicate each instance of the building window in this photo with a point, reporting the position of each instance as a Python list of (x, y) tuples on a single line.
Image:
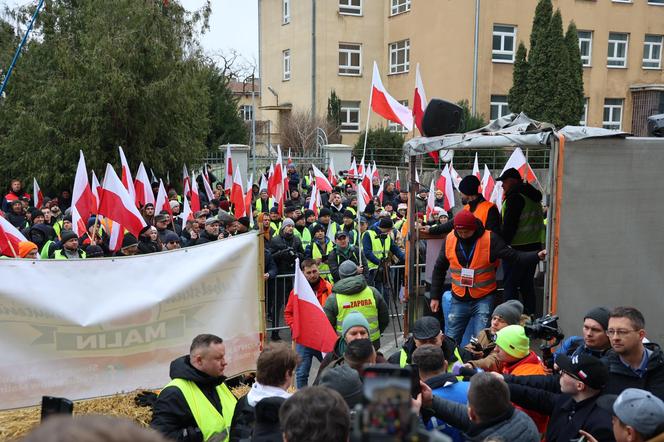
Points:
[(652, 52), (586, 46), (287, 65), (504, 37), (499, 106), (617, 54), (656, 2), (350, 7), (400, 6), (621, 1), (399, 57), (396, 127), (350, 59), (286, 11), (350, 116), (584, 121), (613, 108), (247, 112)]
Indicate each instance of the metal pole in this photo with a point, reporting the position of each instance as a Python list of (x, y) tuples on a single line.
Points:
[(313, 58), (20, 47), (411, 247), (473, 105), (253, 123)]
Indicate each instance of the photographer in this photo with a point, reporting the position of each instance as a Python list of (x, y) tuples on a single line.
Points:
[(377, 245)]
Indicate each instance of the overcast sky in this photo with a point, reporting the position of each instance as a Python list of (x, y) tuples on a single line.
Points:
[(233, 25)]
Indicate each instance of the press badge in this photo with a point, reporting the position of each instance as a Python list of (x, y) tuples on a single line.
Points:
[(467, 277)]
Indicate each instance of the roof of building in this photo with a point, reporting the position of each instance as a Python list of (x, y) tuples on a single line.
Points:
[(239, 87)]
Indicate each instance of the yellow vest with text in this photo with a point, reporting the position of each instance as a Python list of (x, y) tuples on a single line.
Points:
[(363, 302), (208, 419)]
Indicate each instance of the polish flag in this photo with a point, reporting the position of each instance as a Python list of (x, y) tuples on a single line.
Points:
[(488, 183), (363, 199), (431, 199), (448, 188), (161, 202), (380, 191), (82, 198), (361, 168), (96, 192), (194, 196), (142, 187), (374, 171), (289, 162), (126, 175), (385, 105), (271, 186), (397, 183), (115, 236), (353, 169), (331, 173), (419, 106), (9, 238), (263, 183), (187, 214), (476, 167), (314, 200), (228, 181), (322, 182), (38, 195), (310, 326), (517, 161), (278, 180), (117, 205), (153, 177), (366, 183), (186, 181), (456, 178), (248, 197), (206, 185), (237, 195)]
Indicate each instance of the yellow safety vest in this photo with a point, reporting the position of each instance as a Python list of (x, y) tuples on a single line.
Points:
[(208, 419), (259, 204), (275, 226), (379, 248), (363, 302), (403, 361), (59, 255), (317, 254), (305, 236)]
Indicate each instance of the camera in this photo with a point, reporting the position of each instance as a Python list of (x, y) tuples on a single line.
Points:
[(476, 344), (545, 328)]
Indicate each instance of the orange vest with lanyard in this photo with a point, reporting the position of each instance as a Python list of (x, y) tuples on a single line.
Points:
[(481, 210), (483, 279)]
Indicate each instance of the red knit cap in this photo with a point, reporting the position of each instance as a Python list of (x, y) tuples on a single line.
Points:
[(465, 220)]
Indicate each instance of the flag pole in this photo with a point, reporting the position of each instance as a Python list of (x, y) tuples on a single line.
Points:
[(366, 132)]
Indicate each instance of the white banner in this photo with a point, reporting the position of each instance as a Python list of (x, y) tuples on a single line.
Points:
[(96, 327)]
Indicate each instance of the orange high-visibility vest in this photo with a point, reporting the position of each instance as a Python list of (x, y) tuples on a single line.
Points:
[(484, 281), (481, 210)]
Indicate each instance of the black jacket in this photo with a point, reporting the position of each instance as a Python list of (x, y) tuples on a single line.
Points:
[(259, 423), (336, 257), (146, 245), (492, 220), (448, 347), (622, 377), (243, 421), (514, 205), (204, 238), (171, 415), (498, 250), (567, 415), (284, 252)]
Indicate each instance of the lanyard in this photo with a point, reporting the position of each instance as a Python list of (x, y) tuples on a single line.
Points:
[(469, 257)]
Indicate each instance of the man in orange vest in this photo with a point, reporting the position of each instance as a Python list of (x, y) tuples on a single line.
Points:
[(471, 253)]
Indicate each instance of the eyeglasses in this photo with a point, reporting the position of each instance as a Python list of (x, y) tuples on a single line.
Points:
[(619, 332)]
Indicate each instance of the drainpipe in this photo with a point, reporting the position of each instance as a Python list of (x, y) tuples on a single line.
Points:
[(473, 104), (313, 58)]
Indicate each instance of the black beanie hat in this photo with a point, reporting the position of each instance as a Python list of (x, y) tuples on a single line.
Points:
[(469, 185), (599, 314), (67, 235)]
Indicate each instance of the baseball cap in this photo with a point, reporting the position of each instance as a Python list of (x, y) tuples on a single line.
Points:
[(465, 220), (211, 220), (341, 234), (588, 369), (427, 327), (510, 173), (637, 408)]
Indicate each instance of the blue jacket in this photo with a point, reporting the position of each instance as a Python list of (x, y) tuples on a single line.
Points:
[(447, 386), (367, 247), (574, 345)]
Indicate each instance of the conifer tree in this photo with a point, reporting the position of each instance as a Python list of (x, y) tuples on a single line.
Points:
[(517, 94)]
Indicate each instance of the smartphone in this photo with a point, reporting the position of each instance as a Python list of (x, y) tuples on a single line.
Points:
[(387, 389), (415, 389), (55, 405)]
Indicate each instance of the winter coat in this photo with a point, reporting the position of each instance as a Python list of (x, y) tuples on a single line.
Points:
[(488, 359), (285, 250), (146, 245), (514, 205), (16, 220), (492, 220), (574, 345), (270, 266), (337, 256), (352, 286), (567, 415), (513, 426), (171, 415), (447, 387), (244, 417), (622, 377), (530, 365), (448, 347), (204, 237)]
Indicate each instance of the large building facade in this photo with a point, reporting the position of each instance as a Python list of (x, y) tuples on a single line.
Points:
[(465, 49)]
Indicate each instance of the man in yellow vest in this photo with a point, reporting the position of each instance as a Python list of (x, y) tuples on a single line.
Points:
[(471, 253), (352, 293), (523, 228), (196, 405), (377, 244)]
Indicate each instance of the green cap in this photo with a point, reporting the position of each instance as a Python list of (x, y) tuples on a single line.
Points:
[(353, 319), (513, 341)]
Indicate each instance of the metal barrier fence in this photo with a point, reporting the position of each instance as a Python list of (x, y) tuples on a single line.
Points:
[(278, 289)]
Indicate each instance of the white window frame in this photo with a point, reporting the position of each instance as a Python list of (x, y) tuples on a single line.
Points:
[(346, 7), (349, 69), (395, 48), (347, 109), (612, 55), (396, 127), (399, 7), (247, 112), (501, 106), (622, 1), (615, 104), (501, 51), (584, 121), (586, 60), (286, 65), (654, 63), (656, 2), (285, 12)]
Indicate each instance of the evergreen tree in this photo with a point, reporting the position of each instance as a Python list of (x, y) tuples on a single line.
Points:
[(541, 20), (517, 94), (540, 83), (555, 101), (334, 118), (383, 145), (572, 91)]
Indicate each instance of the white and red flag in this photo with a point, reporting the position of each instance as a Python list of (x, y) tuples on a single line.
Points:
[(519, 162), (228, 181), (361, 168), (488, 183), (385, 105), (431, 199), (195, 198), (38, 195), (444, 183), (366, 183), (96, 192), (363, 199), (289, 162), (374, 171), (142, 187), (314, 200), (331, 173), (322, 183), (310, 326), (271, 186), (187, 214), (476, 167), (161, 202), (419, 106), (456, 178), (206, 184), (9, 238), (186, 181), (117, 205), (127, 182), (248, 197), (353, 169), (397, 183), (237, 195), (380, 192), (82, 200), (278, 181)]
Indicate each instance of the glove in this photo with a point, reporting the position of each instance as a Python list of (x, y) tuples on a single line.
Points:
[(145, 398)]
